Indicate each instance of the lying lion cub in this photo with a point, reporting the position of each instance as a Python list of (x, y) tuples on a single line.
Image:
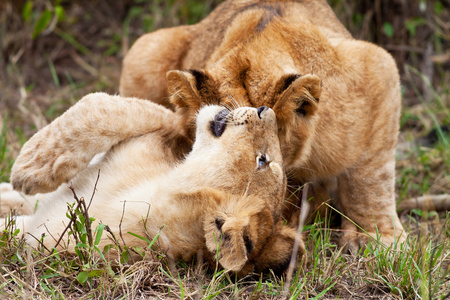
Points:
[(193, 200), (337, 99)]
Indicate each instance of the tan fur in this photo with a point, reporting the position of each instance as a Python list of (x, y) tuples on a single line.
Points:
[(337, 99), (238, 221)]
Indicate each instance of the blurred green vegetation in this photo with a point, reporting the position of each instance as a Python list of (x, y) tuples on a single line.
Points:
[(416, 32)]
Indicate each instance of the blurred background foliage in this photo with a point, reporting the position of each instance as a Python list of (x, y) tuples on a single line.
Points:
[(49, 44), (52, 52), (415, 32)]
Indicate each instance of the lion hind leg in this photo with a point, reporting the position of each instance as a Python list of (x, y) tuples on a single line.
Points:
[(14, 202)]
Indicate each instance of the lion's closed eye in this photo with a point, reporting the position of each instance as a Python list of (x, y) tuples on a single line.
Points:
[(248, 244), (219, 223), (262, 160)]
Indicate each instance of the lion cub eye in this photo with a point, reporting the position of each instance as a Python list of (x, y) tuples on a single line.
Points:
[(218, 125), (261, 161), (248, 245), (219, 223), (302, 109)]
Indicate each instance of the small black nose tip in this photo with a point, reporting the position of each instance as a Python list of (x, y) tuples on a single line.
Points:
[(261, 109)]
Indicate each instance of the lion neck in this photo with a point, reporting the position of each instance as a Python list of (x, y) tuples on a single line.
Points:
[(202, 169)]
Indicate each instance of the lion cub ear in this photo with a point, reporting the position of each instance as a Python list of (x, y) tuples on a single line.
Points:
[(299, 94), (277, 253), (190, 89)]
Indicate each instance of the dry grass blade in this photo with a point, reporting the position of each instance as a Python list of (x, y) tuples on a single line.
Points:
[(302, 218)]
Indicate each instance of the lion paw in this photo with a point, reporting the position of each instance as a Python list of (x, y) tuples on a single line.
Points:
[(354, 240), (354, 244), (13, 201), (42, 167), (5, 187)]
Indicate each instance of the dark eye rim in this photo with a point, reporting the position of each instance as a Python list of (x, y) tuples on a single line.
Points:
[(218, 125), (301, 109), (219, 223), (262, 161), (248, 244)]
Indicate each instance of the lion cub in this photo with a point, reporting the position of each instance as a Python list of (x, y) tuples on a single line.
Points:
[(223, 199), (337, 99)]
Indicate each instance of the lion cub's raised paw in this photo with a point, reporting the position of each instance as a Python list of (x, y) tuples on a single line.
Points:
[(43, 165)]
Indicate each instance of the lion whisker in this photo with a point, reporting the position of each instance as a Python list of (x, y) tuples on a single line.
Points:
[(228, 107), (234, 103), (292, 204), (246, 190)]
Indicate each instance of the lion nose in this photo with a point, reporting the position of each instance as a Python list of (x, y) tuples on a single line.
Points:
[(261, 109)]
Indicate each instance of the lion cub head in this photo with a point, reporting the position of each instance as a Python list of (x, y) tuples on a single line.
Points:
[(243, 236), (243, 228), (241, 150), (293, 97)]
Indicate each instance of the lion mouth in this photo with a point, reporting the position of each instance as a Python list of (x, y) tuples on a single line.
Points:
[(220, 123)]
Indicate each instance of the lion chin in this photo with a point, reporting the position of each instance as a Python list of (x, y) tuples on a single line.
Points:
[(336, 99)]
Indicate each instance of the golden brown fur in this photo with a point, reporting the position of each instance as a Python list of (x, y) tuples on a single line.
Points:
[(193, 199), (337, 99)]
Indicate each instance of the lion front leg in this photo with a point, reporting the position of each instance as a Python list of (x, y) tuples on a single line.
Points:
[(62, 149), (367, 200)]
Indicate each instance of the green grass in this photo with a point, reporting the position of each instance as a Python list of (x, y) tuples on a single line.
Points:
[(418, 268), (5, 161)]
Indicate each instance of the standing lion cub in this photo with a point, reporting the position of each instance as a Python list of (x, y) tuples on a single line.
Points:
[(336, 99), (223, 199)]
